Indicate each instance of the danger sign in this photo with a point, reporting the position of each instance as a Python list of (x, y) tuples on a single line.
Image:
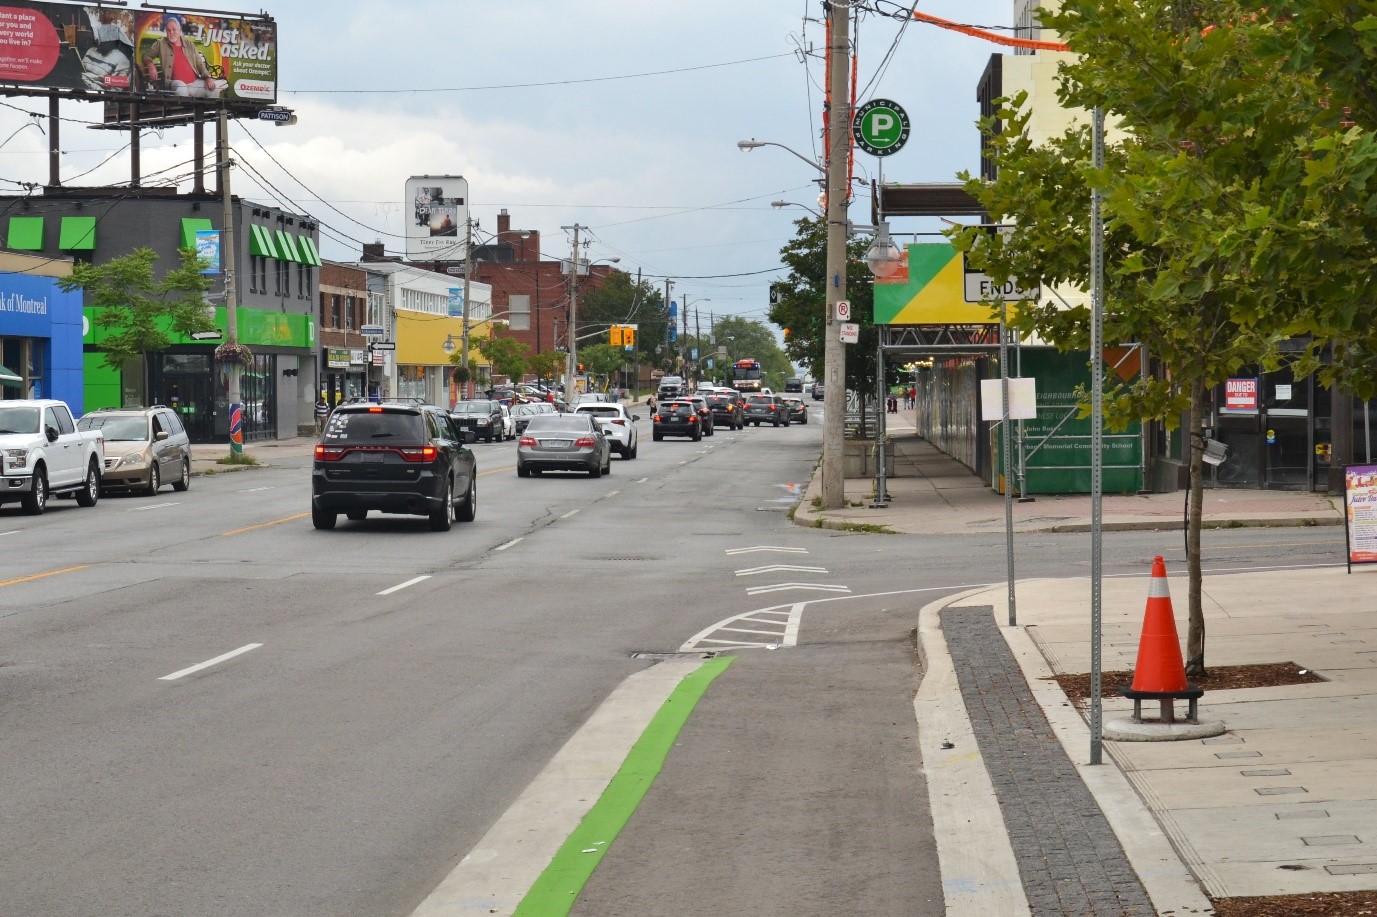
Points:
[(1240, 395)]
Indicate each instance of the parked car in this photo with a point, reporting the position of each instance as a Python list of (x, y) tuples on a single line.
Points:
[(704, 413), (563, 442), (766, 409), (676, 418), (727, 408), (42, 453), (508, 423), (144, 447), (618, 425), (483, 417), (817, 391), (522, 413), (394, 458), (797, 409)]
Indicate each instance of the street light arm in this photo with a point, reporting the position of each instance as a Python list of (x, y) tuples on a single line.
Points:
[(746, 146)]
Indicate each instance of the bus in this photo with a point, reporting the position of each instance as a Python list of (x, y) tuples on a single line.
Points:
[(744, 375)]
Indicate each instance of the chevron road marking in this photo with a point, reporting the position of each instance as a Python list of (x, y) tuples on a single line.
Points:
[(780, 587), (776, 568), (766, 547)]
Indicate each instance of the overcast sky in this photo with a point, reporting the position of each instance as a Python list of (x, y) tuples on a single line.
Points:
[(619, 115)]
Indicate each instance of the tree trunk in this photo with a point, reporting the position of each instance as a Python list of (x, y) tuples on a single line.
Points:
[(1195, 633)]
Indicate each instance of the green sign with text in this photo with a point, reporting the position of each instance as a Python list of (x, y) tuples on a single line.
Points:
[(880, 127)]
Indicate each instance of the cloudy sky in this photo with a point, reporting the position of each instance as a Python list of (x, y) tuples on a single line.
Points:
[(619, 115)]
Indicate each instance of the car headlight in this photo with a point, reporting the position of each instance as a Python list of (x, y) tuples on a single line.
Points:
[(17, 458), (133, 458), (484, 422)]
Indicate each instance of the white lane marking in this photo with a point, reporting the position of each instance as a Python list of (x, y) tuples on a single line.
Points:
[(641, 481), (776, 568), (12, 532), (684, 462), (400, 586), (254, 490), (210, 662), (612, 493), (734, 644), (766, 547), (572, 512), (503, 547), (140, 509), (781, 587), (791, 629), (747, 630), (501, 868)]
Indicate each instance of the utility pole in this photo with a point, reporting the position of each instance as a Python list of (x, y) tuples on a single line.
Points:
[(236, 408), (571, 363), (838, 194), (698, 337), (468, 271)]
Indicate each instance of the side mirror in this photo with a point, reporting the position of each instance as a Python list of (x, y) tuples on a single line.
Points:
[(160, 435), (635, 417), (470, 436), (51, 433)]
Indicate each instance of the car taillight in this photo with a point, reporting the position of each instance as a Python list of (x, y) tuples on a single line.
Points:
[(657, 419), (619, 422), (693, 418), (326, 453), (526, 441), (422, 454), (585, 442)]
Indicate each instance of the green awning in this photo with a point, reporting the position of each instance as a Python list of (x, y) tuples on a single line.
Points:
[(286, 247), (308, 250), (9, 377), (261, 242), (26, 234), (78, 234), (190, 226)]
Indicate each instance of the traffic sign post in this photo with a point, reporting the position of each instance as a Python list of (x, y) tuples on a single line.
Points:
[(980, 288), (850, 332), (842, 310), (382, 345), (881, 127)]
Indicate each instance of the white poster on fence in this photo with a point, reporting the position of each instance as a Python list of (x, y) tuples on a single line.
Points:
[(1023, 404)]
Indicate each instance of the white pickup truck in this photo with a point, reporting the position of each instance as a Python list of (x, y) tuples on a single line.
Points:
[(42, 453)]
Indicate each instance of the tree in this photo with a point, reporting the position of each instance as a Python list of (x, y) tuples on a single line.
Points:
[(1214, 201), (140, 312), (744, 339), (618, 300), (547, 364), (508, 356), (802, 305), (602, 359)]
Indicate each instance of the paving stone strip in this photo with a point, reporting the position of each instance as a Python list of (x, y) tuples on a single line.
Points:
[(1069, 861)]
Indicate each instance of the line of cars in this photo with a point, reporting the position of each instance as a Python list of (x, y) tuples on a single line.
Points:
[(698, 415)]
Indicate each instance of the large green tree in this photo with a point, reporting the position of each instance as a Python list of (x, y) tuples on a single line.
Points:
[(619, 300), (743, 339), (1219, 191), (508, 356), (141, 312)]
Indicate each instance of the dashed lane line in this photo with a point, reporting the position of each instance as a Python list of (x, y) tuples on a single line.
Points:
[(37, 576), (210, 662), (400, 586)]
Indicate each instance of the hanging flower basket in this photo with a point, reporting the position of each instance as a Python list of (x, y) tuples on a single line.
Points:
[(234, 352)]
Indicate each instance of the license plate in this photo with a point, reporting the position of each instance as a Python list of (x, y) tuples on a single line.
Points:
[(556, 443), (372, 457)]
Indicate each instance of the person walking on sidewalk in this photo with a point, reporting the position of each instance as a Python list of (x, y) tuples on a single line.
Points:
[(322, 414)]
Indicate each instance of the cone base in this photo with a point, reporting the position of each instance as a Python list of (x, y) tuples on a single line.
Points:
[(1127, 730)]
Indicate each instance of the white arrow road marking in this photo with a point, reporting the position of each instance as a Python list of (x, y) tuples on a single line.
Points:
[(779, 627), (766, 547), (780, 587), (776, 568), (210, 662)]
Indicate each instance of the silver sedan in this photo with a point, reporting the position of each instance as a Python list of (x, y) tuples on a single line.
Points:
[(563, 442)]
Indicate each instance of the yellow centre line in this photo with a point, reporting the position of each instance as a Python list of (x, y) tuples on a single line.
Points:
[(263, 525), (30, 579), (484, 474)]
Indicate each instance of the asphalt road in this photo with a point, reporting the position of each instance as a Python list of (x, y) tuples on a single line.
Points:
[(395, 689)]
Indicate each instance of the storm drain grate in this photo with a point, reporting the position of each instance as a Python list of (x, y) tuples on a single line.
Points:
[(669, 657)]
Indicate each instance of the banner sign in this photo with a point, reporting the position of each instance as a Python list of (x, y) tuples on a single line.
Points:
[(439, 207), (117, 52), (1360, 513), (928, 287), (208, 249), (1240, 394)]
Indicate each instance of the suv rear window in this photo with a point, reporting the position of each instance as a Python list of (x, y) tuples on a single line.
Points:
[(760, 399), (599, 411), (682, 408), (375, 427)]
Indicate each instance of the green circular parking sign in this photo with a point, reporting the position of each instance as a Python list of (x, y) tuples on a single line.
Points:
[(880, 127)]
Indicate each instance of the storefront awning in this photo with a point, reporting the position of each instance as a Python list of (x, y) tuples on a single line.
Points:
[(26, 234), (261, 242), (10, 377), (286, 247), (308, 251), (190, 226), (78, 234)]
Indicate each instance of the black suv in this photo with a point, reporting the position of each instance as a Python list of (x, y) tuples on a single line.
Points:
[(726, 408), (394, 458), (766, 409), (484, 418), (677, 418)]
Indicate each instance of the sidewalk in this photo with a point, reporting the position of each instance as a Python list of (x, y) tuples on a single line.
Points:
[(205, 457), (1284, 802)]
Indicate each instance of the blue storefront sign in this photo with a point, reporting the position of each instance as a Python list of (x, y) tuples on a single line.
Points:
[(40, 320)]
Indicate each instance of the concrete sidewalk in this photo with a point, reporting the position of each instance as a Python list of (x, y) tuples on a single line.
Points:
[(1284, 802)]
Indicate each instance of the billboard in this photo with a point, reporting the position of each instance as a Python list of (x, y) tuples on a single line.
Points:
[(438, 208), (928, 288), (112, 51)]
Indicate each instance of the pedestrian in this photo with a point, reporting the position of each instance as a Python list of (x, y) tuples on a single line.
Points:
[(913, 397), (322, 413), (893, 404)]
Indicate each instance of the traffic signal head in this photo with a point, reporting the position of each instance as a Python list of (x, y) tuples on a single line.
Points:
[(615, 336), (628, 337)]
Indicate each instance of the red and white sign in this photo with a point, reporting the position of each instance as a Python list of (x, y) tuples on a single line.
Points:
[(1240, 395)]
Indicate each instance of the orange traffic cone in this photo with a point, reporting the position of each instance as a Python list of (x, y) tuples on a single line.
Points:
[(1159, 668)]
